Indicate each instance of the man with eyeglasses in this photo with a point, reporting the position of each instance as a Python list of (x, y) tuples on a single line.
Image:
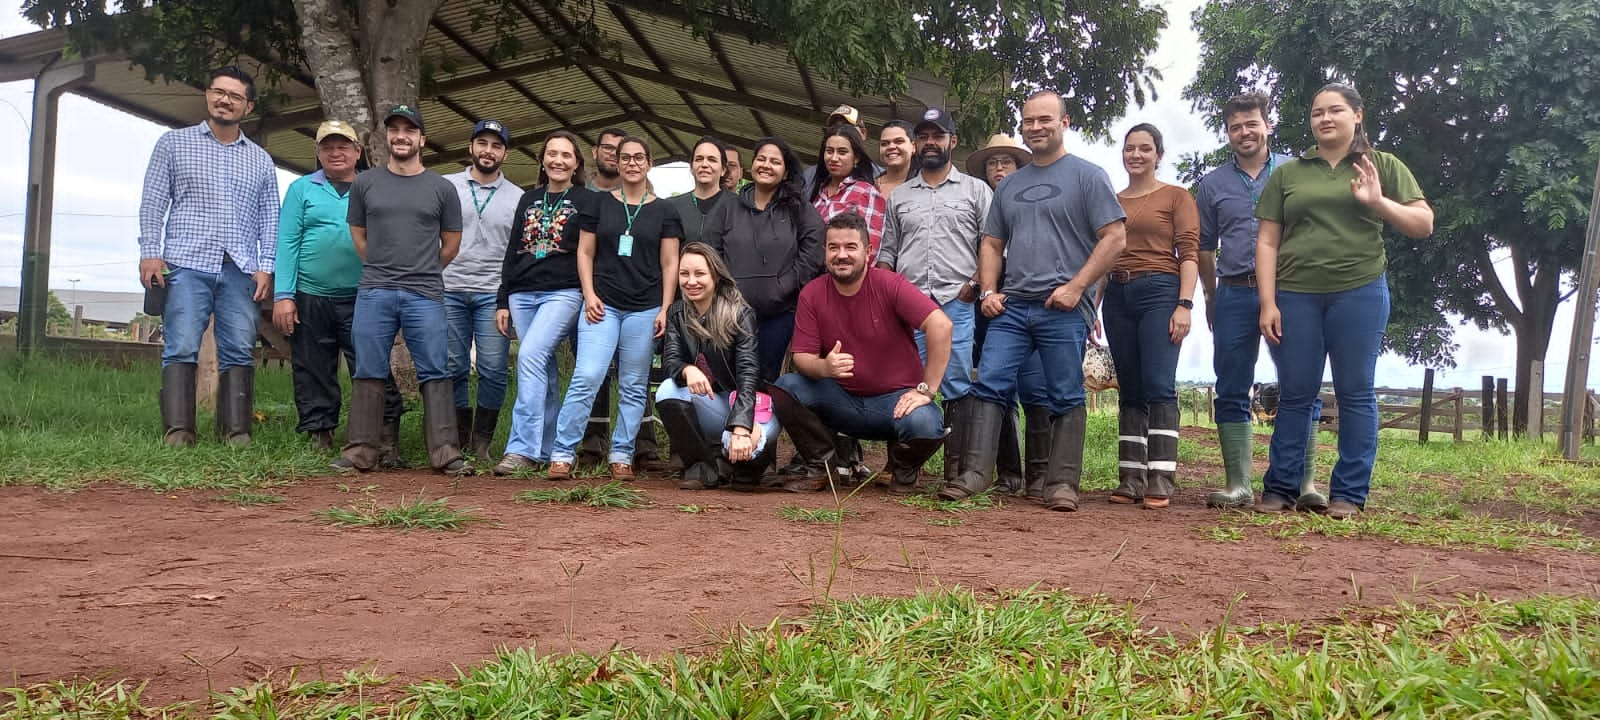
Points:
[(607, 176), (732, 170), (208, 238)]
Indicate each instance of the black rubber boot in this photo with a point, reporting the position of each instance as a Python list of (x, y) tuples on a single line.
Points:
[(463, 428), (646, 453), (1066, 460), (236, 395), (955, 441), (1037, 450), (364, 443), (1008, 463), (812, 439), (439, 428), (1163, 474), (1133, 425), (906, 458), (484, 421), (983, 440), (699, 453), (177, 404), (389, 457)]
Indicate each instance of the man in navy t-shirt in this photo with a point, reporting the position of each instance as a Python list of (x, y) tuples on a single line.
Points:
[(857, 311)]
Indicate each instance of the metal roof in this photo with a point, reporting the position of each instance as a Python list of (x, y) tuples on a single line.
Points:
[(654, 78)]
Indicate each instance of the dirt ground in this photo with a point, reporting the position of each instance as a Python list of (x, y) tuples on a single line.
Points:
[(124, 583)]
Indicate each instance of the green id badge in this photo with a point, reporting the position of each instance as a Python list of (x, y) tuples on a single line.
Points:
[(625, 245)]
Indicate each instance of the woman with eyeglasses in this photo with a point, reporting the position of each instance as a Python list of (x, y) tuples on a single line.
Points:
[(627, 245)]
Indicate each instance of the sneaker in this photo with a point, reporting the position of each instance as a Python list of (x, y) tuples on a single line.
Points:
[(559, 471), (621, 471), (511, 463)]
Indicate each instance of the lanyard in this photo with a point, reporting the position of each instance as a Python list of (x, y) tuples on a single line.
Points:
[(1249, 185), (472, 185), (548, 217), (633, 212)]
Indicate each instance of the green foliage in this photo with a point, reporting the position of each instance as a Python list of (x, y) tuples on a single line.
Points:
[(58, 318), (818, 516), (414, 514), (1493, 104), (612, 495)]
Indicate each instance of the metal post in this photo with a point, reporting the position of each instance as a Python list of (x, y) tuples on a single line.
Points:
[(34, 306), (1573, 394)]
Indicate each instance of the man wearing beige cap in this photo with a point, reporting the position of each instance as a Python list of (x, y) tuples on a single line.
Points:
[(314, 294)]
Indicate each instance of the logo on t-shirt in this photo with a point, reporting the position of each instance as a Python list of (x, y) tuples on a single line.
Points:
[(541, 236)]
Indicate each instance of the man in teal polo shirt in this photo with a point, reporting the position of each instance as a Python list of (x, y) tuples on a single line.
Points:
[(314, 295)]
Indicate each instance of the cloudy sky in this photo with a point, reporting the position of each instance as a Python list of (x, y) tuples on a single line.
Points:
[(103, 152)]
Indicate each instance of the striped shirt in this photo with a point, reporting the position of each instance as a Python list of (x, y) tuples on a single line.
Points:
[(204, 200)]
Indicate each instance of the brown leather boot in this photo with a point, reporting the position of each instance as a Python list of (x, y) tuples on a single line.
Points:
[(812, 439), (439, 428), (364, 432)]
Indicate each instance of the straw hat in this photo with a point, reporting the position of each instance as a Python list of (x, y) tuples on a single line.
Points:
[(997, 144)]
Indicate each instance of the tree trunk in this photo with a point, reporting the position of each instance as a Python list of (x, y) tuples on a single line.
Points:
[(1539, 300)]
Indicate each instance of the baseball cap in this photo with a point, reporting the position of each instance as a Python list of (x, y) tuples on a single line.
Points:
[(405, 111), (337, 128), (849, 114), (936, 117), (493, 126)]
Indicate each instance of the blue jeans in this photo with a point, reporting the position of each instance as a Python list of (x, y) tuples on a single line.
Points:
[(1030, 377), (866, 418), (630, 336), (542, 320), (1235, 345), (471, 321), (193, 299), (381, 313), (1137, 316), (712, 412), (957, 381), (1027, 328), (772, 343), (1343, 330)]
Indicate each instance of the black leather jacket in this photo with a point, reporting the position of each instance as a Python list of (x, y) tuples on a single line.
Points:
[(732, 369)]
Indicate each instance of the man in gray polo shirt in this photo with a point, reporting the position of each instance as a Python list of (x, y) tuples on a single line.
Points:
[(1227, 199), (931, 236), (1058, 227), (488, 200)]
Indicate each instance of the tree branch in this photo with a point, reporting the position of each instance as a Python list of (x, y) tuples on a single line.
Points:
[(1491, 282)]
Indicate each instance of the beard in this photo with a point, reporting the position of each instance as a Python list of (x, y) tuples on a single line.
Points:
[(939, 158), (605, 170), (485, 165), (221, 119), (849, 275), (403, 152)]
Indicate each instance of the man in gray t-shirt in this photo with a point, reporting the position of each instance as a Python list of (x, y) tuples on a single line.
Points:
[(1058, 227), (406, 224)]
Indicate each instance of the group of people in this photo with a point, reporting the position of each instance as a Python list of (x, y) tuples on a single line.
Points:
[(908, 302)]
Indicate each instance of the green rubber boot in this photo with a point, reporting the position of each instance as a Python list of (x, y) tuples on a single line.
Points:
[(1310, 500), (1235, 439)]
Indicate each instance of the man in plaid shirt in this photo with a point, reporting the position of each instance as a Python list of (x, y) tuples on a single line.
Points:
[(208, 236)]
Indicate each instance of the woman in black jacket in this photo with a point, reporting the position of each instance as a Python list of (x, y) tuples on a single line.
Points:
[(710, 402), (772, 242)]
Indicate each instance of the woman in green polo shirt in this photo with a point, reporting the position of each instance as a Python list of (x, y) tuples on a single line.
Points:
[(1324, 296)]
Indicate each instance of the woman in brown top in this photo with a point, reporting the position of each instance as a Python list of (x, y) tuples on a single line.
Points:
[(1146, 313)]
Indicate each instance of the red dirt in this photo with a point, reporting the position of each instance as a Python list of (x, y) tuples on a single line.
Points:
[(165, 576)]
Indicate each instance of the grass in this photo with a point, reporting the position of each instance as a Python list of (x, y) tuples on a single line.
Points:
[(415, 514), (249, 497), (819, 516), (959, 655), (613, 495), (1477, 531), (987, 500)]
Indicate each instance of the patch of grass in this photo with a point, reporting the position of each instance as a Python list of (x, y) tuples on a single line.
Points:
[(1472, 530), (820, 516), (945, 522), (691, 509), (416, 514), (929, 501), (612, 495), (249, 497), (1025, 655)]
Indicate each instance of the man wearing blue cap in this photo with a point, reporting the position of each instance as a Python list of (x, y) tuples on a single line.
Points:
[(488, 202)]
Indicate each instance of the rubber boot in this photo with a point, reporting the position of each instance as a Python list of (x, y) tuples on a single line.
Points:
[(236, 397), (847, 452), (812, 439), (597, 432), (1235, 439), (983, 442), (1008, 464), (955, 442), (363, 433), (439, 428), (1037, 450), (699, 453), (463, 428), (646, 454), (389, 447), (484, 421), (1310, 500), (177, 404), (906, 458), (1066, 460), (1133, 453), (1161, 479)]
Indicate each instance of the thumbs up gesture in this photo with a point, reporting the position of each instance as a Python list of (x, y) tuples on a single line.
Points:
[(840, 363)]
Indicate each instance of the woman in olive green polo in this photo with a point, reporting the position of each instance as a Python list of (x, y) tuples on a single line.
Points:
[(1324, 296)]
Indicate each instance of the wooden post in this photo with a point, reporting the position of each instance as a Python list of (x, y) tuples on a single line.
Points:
[(1460, 397), (1426, 416), (1536, 401), (1211, 404), (134, 332), (77, 321), (1487, 421), (206, 376), (1502, 410)]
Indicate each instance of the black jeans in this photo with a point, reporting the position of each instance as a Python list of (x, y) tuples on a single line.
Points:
[(321, 337)]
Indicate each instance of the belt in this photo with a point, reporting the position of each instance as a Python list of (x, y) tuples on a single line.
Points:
[(1127, 276), (1245, 280)]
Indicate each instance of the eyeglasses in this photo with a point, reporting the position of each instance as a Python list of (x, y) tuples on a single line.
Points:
[(217, 93), (638, 159)]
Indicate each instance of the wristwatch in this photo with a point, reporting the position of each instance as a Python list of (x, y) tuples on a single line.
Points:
[(925, 390), (1186, 303)]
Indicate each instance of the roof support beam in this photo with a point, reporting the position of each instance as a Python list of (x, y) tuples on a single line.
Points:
[(690, 128), (649, 51), (530, 138), (34, 305), (733, 78), (711, 91)]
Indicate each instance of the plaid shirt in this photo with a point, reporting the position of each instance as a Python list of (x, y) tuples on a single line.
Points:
[(862, 197), (204, 199)]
